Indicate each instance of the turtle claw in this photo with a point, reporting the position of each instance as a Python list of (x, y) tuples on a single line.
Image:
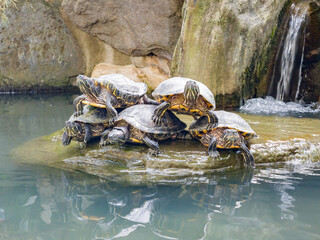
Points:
[(157, 120), (102, 143), (153, 152), (211, 126), (78, 113), (214, 154), (83, 145)]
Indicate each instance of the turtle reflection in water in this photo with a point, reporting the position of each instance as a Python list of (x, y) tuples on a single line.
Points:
[(135, 125), (186, 96), (79, 193), (83, 128), (232, 132), (110, 91)]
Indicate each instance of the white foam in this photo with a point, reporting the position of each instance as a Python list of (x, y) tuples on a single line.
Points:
[(271, 106)]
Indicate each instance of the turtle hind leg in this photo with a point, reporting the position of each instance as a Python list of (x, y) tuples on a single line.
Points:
[(154, 146), (212, 149), (247, 155), (159, 111), (146, 100), (108, 98), (66, 139), (212, 119), (77, 105)]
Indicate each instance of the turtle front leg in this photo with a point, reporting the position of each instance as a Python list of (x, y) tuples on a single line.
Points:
[(87, 133), (183, 135), (159, 111), (247, 155), (212, 149), (154, 146), (212, 120), (104, 137), (111, 111), (77, 105), (66, 139), (146, 100)]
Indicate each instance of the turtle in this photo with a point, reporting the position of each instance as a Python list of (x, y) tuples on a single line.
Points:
[(135, 125), (90, 124), (232, 132), (187, 96), (110, 91)]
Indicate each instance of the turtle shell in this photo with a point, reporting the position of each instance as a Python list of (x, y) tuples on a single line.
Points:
[(226, 120), (91, 115), (124, 85), (176, 85), (140, 117)]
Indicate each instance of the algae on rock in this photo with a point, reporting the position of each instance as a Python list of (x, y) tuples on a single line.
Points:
[(219, 41)]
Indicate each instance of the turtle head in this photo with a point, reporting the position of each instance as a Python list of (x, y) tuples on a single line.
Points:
[(118, 135), (87, 86), (230, 137), (73, 129), (191, 92)]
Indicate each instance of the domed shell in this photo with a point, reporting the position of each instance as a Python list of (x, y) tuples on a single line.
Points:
[(124, 84), (140, 116), (91, 115), (228, 120), (176, 85)]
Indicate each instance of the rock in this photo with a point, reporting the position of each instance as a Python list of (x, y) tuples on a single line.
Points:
[(151, 75), (94, 50), (179, 160), (310, 84), (135, 28), (37, 51), (220, 40)]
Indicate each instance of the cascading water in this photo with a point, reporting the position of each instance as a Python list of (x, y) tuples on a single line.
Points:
[(287, 78)]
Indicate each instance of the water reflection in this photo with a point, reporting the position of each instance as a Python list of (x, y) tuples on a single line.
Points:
[(74, 205), (118, 211)]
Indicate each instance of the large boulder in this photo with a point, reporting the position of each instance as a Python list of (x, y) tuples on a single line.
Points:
[(152, 75), (222, 42), (136, 27), (37, 51)]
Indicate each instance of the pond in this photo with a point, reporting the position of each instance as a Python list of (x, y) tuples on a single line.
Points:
[(273, 201)]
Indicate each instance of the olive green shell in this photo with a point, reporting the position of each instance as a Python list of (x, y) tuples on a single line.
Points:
[(140, 117), (226, 120), (124, 85), (91, 115), (176, 85)]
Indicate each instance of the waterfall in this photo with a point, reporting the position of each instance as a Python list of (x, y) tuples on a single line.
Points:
[(292, 56)]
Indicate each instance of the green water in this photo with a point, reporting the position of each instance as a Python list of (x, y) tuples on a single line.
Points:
[(279, 201)]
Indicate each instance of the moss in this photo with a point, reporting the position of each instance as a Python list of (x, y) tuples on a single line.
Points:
[(227, 101), (252, 78)]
